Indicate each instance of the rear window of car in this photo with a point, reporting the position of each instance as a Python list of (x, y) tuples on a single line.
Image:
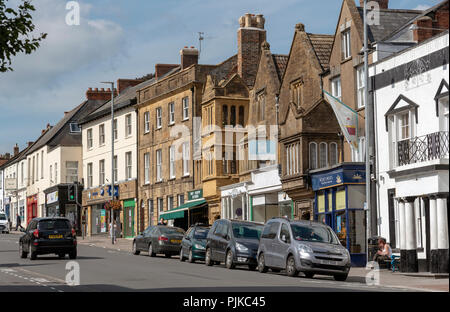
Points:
[(54, 225), (171, 230), (2, 216), (313, 233), (201, 233), (245, 230)]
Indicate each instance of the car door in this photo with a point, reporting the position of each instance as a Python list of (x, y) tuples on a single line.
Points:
[(215, 241), (141, 242), (281, 247), (223, 241), (269, 244), (29, 234)]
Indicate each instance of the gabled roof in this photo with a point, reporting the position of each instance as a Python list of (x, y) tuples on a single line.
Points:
[(280, 61), (225, 70), (322, 45), (408, 104), (390, 21)]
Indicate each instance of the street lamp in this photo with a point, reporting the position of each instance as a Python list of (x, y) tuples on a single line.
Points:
[(113, 232)]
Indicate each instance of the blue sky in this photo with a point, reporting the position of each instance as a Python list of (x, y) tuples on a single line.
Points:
[(125, 38)]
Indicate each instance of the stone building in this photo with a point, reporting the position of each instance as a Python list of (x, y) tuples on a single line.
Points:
[(308, 130)]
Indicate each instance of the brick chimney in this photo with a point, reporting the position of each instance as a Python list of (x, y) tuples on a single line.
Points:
[(123, 84), (384, 4), (29, 143), (16, 150), (162, 69), (424, 29), (189, 56), (251, 35), (101, 95)]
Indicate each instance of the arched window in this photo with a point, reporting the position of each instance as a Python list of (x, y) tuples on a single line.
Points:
[(313, 155), (333, 154), (323, 155)]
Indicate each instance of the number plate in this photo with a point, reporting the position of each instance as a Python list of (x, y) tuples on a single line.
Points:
[(55, 236), (175, 241), (329, 262)]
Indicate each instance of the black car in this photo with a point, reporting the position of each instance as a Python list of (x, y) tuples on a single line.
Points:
[(159, 239), (53, 235), (194, 243), (234, 242)]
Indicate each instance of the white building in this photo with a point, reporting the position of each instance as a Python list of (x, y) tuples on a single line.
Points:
[(97, 162), (410, 91), (56, 160), (2, 208)]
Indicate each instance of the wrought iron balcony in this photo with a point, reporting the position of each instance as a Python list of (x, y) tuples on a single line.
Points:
[(424, 148)]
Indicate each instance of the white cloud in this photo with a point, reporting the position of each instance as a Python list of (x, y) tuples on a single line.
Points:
[(422, 7)]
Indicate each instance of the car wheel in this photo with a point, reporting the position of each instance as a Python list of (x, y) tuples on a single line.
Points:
[(23, 254), (291, 270), (229, 260), (262, 264), (150, 251), (191, 256), (340, 277), (208, 260), (61, 256), (134, 250), (73, 254), (181, 255), (309, 274)]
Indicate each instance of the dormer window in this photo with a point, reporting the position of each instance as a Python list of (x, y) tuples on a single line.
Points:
[(75, 127)]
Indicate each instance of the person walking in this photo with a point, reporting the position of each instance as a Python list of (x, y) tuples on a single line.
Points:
[(18, 222)]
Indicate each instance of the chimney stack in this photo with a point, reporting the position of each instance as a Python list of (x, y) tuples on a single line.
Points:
[(251, 35), (424, 29), (384, 4), (16, 150), (162, 69), (99, 95), (30, 143), (123, 84), (189, 56)]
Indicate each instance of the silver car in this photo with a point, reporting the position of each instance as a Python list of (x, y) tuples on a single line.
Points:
[(302, 246)]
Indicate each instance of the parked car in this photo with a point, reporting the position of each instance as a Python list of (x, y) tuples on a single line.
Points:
[(4, 224), (234, 242), (53, 235), (159, 239), (302, 246), (194, 243)]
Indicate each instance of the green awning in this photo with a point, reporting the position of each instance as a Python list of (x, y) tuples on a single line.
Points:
[(178, 212)]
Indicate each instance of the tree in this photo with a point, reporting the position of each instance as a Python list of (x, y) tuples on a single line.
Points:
[(16, 26)]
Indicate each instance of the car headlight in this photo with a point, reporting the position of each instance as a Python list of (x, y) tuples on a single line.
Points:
[(198, 246), (241, 247), (305, 251)]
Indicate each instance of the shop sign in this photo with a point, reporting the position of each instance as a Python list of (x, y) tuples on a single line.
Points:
[(194, 195), (10, 184), (337, 177), (52, 197)]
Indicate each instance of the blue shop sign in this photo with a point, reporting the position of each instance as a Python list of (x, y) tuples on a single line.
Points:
[(116, 190), (337, 177)]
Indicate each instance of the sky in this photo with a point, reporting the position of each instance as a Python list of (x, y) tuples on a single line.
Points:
[(126, 38)]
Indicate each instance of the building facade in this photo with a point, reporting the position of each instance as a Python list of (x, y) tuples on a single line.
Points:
[(412, 120)]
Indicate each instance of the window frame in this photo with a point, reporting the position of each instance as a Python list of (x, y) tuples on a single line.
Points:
[(171, 109), (172, 169), (316, 165), (128, 125), (185, 106), (90, 139), (159, 165), (101, 135), (101, 172), (158, 118), (147, 168), (90, 175), (128, 165), (146, 122)]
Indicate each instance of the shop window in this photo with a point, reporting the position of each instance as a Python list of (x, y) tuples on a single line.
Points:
[(357, 231), (341, 227)]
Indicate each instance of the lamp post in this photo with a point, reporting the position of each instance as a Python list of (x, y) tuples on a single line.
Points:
[(113, 232)]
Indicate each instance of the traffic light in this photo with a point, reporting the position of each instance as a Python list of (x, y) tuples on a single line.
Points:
[(71, 192)]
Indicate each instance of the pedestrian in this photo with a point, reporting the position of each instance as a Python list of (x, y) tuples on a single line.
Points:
[(18, 222), (384, 253), (162, 221)]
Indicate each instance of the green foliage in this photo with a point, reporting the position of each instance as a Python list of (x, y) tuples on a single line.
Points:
[(16, 25)]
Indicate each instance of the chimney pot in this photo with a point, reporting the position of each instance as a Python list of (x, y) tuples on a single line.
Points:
[(188, 57), (16, 150), (30, 143)]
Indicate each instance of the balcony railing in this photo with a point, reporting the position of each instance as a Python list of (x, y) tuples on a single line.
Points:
[(424, 148)]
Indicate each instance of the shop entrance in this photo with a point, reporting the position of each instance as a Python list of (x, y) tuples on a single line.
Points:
[(128, 218)]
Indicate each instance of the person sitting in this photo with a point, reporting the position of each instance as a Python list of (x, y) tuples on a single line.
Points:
[(162, 222), (384, 253)]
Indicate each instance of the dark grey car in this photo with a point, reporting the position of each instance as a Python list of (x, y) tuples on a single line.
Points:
[(302, 246), (159, 239)]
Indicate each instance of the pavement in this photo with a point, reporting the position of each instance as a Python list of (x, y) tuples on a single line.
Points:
[(107, 267)]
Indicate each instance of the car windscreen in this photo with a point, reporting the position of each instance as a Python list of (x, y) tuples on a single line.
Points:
[(245, 230), (46, 225), (201, 233), (2, 216), (171, 230), (312, 233)]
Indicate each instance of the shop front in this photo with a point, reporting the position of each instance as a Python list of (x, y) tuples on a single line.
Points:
[(339, 203), (129, 207), (32, 210), (195, 210), (58, 204)]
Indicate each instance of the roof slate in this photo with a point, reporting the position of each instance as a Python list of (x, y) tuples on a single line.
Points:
[(280, 61), (322, 45)]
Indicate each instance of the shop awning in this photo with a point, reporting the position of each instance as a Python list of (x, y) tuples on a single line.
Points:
[(178, 212)]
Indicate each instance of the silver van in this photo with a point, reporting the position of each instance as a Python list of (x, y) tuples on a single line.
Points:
[(302, 246)]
